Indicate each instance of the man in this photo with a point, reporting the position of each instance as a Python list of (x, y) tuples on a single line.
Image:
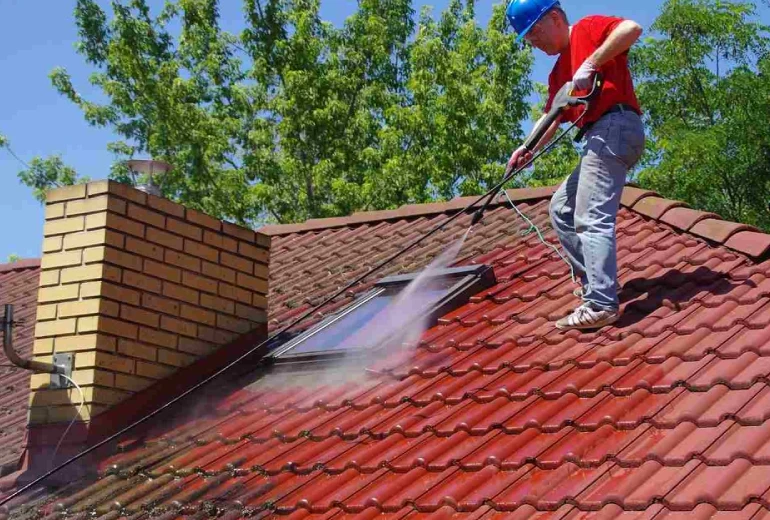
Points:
[(584, 208)]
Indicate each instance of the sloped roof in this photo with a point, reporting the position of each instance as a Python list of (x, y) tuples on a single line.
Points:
[(18, 285), (496, 414)]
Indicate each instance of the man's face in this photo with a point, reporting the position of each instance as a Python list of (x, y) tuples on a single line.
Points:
[(550, 34)]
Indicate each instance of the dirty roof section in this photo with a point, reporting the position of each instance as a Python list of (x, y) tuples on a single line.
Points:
[(495, 414), (18, 285)]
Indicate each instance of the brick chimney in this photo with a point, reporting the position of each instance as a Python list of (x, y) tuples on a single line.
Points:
[(137, 287)]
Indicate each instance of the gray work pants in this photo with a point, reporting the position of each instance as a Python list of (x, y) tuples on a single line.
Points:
[(584, 208)]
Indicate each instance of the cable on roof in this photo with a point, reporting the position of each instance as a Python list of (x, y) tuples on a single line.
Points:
[(490, 193)]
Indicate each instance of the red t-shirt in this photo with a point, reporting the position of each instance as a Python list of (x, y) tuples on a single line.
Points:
[(586, 36)]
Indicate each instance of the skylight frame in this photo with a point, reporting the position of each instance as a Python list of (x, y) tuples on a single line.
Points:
[(470, 280)]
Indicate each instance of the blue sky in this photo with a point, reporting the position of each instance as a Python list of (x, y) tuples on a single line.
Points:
[(38, 35)]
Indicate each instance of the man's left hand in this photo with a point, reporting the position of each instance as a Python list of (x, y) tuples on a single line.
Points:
[(584, 77)]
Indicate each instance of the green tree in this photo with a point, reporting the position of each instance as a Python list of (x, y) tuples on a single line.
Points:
[(704, 86), (294, 118)]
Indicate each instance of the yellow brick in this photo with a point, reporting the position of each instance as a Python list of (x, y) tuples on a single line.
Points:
[(92, 359), (157, 337), (51, 397), (255, 253), (196, 347), (127, 192), (262, 271), (54, 328), (234, 293), (250, 313), (83, 342), (98, 187), (217, 304), (38, 415), (86, 307), (164, 271), (217, 336), (67, 259), (238, 232), (49, 278), (198, 315), (182, 260), (145, 215), (165, 206), (199, 250), (57, 294), (144, 248), (88, 324), (153, 370), (53, 211), (93, 238), (96, 220), (199, 282), (93, 377), (234, 324), (218, 272), (184, 229), (159, 304), (43, 346), (76, 191), (65, 225), (220, 241), (46, 312), (131, 383), (137, 350), (118, 328), (40, 381), (91, 272), (52, 244), (65, 414), (137, 315), (180, 293), (108, 290), (95, 204), (260, 301), (164, 239), (177, 359), (263, 240), (250, 282), (236, 262), (201, 219), (185, 328), (141, 281)]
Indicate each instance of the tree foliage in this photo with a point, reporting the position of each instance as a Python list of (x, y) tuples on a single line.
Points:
[(294, 118), (704, 82)]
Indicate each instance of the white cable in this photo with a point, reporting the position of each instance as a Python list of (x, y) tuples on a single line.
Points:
[(540, 236), (75, 418)]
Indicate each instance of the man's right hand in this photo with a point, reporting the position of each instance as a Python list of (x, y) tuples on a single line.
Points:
[(519, 158)]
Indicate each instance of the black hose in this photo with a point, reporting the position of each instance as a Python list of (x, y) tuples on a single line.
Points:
[(492, 192)]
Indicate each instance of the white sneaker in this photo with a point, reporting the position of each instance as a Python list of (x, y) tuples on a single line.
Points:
[(584, 317)]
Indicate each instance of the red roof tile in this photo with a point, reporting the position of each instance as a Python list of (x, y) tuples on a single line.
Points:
[(495, 415), (18, 285)]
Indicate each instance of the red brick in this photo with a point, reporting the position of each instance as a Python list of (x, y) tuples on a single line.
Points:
[(165, 239), (182, 260), (201, 219), (220, 241), (184, 229), (162, 271), (180, 293), (199, 250), (236, 262), (145, 215), (217, 304), (199, 282)]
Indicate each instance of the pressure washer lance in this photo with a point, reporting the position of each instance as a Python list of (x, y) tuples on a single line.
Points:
[(561, 101)]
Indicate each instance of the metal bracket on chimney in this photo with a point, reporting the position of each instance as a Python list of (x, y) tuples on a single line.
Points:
[(65, 361)]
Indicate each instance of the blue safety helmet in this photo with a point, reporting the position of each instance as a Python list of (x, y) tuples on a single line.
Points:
[(524, 14)]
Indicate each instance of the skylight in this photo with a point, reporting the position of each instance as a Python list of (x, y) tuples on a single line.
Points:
[(384, 314)]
